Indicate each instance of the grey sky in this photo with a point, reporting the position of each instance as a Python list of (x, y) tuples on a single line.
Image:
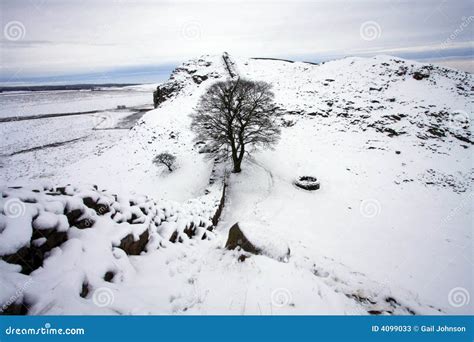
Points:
[(52, 37)]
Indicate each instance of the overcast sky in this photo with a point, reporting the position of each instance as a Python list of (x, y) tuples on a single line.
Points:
[(45, 38)]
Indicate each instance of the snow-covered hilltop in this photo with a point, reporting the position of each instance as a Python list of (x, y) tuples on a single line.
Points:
[(388, 232)]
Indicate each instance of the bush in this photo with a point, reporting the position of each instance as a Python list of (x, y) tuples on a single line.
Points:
[(166, 159)]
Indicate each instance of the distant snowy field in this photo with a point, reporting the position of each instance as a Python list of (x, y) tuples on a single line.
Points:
[(389, 232), (14, 104), (25, 142)]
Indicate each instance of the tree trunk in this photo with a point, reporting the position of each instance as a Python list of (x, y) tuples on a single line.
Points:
[(238, 160), (237, 168)]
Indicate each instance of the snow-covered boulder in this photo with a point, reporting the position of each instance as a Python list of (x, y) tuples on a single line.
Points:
[(256, 239), (83, 236)]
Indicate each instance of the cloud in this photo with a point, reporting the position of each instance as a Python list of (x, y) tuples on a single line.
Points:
[(85, 36)]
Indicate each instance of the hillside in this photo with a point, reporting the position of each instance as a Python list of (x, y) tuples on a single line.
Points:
[(388, 232)]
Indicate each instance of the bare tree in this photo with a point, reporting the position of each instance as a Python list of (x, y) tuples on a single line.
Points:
[(233, 115), (166, 159)]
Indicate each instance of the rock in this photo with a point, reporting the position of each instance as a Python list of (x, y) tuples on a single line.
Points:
[(174, 237), (99, 208), (402, 71), (257, 239), (199, 79), (84, 290), (15, 309), (109, 275), (421, 74), (190, 230), (242, 257), (164, 92), (436, 132), (74, 219), (31, 257), (238, 239), (132, 247), (391, 132)]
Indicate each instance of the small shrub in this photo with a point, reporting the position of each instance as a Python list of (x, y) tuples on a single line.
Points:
[(166, 159)]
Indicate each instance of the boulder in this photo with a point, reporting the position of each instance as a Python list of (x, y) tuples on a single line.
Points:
[(31, 257), (254, 238), (99, 208), (198, 79), (238, 239), (421, 74), (132, 247)]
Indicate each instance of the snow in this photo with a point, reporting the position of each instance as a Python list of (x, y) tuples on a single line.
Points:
[(266, 240), (388, 232), (15, 104), (16, 217)]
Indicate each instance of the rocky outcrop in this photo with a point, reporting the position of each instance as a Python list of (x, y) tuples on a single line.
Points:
[(165, 92)]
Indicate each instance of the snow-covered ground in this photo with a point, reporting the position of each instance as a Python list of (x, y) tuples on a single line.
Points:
[(388, 232), (17, 104)]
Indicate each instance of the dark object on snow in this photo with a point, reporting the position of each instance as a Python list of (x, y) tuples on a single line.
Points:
[(238, 239), (198, 79), (99, 208), (109, 275), (242, 257), (74, 219), (132, 247), (422, 74), (376, 89), (253, 121), (166, 159), (31, 257), (307, 183), (217, 215), (15, 309), (85, 290), (398, 152), (164, 92)]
